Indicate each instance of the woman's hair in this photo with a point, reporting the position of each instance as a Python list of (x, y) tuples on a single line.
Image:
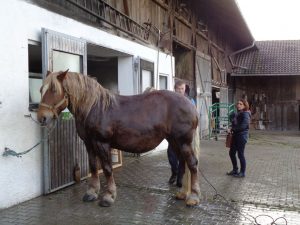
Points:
[(246, 104)]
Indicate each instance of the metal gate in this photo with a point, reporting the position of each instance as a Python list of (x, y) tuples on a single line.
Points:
[(203, 84), (223, 112), (64, 149)]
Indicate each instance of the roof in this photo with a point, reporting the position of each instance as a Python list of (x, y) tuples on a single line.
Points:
[(227, 18), (270, 58)]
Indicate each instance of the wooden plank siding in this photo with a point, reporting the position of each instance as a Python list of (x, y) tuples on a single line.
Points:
[(182, 32), (202, 44)]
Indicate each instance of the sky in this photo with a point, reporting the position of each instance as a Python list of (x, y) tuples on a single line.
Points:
[(272, 19)]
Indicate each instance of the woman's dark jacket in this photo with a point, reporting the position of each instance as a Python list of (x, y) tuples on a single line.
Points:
[(240, 123)]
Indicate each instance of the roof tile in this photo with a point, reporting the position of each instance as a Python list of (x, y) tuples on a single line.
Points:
[(270, 58)]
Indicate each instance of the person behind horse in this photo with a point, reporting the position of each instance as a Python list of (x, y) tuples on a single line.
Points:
[(177, 166), (240, 129)]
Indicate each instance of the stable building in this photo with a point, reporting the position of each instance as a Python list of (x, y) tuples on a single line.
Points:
[(268, 75), (127, 46)]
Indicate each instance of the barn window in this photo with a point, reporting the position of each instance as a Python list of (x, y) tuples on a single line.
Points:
[(35, 74), (163, 82), (147, 75)]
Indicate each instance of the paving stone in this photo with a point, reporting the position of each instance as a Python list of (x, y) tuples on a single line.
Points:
[(271, 188)]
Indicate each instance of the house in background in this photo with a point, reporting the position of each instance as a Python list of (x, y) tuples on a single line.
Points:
[(127, 45), (268, 75)]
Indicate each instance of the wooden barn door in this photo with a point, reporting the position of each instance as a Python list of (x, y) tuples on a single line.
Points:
[(203, 83), (64, 149)]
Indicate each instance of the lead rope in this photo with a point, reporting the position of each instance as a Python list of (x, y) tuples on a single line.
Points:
[(244, 214), (10, 152)]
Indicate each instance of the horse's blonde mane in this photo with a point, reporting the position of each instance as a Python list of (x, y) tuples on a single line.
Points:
[(84, 92)]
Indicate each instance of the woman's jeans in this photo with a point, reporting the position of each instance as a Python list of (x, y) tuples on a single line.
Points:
[(238, 146)]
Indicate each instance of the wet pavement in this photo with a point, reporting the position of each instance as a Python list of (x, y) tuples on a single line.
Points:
[(270, 190)]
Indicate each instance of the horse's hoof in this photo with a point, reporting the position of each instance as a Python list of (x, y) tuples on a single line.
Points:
[(180, 196), (89, 198), (106, 201), (192, 200)]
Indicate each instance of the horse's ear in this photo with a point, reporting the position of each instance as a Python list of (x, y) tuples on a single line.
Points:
[(62, 75), (48, 72)]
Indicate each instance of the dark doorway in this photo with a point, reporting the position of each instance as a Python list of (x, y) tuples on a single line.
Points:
[(215, 95), (102, 63), (184, 65)]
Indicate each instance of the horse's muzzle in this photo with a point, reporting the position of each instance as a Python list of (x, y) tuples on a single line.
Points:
[(45, 117)]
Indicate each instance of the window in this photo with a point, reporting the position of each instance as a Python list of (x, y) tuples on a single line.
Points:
[(146, 80), (147, 75), (35, 74), (163, 82), (63, 61)]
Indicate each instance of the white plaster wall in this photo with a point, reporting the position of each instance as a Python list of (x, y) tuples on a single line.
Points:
[(21, 178)]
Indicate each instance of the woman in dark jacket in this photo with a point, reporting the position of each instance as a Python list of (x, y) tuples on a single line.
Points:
[(240, 128)]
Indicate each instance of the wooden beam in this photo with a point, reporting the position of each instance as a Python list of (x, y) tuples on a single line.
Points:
[(182, 19), (126, 9), (161, 4)]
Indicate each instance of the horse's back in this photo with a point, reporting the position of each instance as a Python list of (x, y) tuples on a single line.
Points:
[(170, 108)]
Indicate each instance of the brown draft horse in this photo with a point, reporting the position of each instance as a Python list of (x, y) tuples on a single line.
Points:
[(134, 124)]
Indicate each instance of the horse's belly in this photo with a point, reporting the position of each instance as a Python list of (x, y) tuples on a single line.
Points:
[(137, 144)]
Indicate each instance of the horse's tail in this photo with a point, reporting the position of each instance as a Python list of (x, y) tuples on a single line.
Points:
[(186, 180), (196, 143)]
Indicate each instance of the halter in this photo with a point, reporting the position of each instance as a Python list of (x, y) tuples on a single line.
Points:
[(54, 108)]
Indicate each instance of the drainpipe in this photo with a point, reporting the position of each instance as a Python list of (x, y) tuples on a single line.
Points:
[(157, 66), (239, 51)]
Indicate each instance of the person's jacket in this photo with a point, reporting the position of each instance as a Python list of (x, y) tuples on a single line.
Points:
[(240, 122)]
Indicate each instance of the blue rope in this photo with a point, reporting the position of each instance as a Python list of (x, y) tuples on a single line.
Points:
[(10, 152)]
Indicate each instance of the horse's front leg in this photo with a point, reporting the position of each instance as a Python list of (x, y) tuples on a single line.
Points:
[(94, 182), (110, 194)]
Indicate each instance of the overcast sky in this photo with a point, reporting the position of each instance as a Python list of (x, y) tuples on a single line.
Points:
[(272, 19)]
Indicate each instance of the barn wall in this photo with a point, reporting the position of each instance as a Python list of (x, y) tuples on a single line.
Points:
[(274, 100), (210, 42)]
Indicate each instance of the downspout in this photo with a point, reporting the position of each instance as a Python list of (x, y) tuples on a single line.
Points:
[(239, 51), (157, 66)]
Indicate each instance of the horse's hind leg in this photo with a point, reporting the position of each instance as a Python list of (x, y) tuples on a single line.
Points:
[(93, 183), (110, 194), (187, 153)]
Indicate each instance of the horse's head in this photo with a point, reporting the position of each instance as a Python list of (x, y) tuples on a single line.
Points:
[(54, 99)]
